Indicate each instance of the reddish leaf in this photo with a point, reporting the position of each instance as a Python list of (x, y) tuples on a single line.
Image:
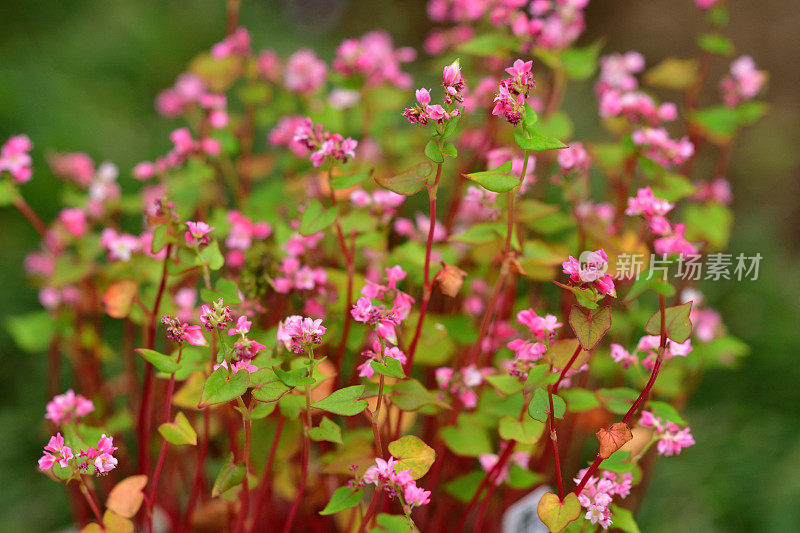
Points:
[(450, 279), (118, 298), (612, 439), (126, 496)]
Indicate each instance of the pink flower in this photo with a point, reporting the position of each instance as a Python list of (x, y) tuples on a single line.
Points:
[(621, 355), (657, 145), (574, 157), (198, 233), (237, 43), (74, 221), (299, 334), (416, 496), (675, 243), (592, 273), (744, 82), (325, 146), (540, 327), (647, 205), (181, 331), (374, 58), (15, 159), (423, 97), (68, 407), (305, 72)]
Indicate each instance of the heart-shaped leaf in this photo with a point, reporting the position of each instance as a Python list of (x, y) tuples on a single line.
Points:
[(343, 401), (221, 388), (162, 362), (540, 405), (433, 153), (589, 326), (413, 455), (525, 431), (316, 218), (677, 323), (613, 438), (342, 498), (411, 395), (178, 432), (114, 523), (295, 377), (556, 514), (408, 182), (119, 297), (267, 387), (497, 180), (231, 475), (351, 180), (327, 430), (126, 497)]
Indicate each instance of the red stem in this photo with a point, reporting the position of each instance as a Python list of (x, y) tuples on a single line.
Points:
[(487, 478), (427, 287), (554, 442), (92, 503), (645, 392), (30, 215), (145, 416)]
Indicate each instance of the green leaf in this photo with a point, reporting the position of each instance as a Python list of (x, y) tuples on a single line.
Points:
[(535, 142), (411, 395), (162, 362), (212, 256), (413, 455), (389, 367), (178, 432), (589, 326), (623, 519), (557, 125), (642, 284), (506, 384), (409, 182), (267, 387), (716, 44), (222, 388), (579, 400), (617, 400), (709, 222), (520, 478), (316, 218), (488, 45), (526, 431), (497, 180), (347, 181), (450, 129), (464, 487), (467, 440), (342, 498), (291, 404), (449, 149), (580, 63), (295, 377), (676, 322), (231, 475), (587, 298), (343, 401), (161, 237), (540, 405), (672, 73), (393, 523), (666, 411), (8, 192), (433, 153), (32, 331), (327, 430)]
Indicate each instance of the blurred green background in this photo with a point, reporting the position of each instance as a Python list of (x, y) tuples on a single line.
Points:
[(82, 75)]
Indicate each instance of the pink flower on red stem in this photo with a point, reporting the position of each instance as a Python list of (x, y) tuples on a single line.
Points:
[(365, 369), (55, 452), (540, 327), (600, 491), (181, 331), (237, 43), (68, 407), (510, 99), (384, 473), (15, 159)]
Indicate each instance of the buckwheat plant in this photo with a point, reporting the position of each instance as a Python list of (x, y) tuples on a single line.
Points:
[(271, 335)]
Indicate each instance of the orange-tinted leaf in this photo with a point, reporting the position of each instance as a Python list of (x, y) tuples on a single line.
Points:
[(613, 438), (126, 496), (556, 514), (450, 279), (118, 298)]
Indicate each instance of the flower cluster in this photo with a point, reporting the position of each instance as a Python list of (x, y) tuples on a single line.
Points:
[(300, 334), (454, 86), (241, 235), (396, 484), (592, 273), (324, 146), (382, 203), (99, 459), (656, 144), (384, 319), (245, 348), (671, 438), (120, 246), (744, 82), (15, 159), (68, 407), (184, 146), (648, 346), (653, 211), (574, 157), (189, 92), (305, 72), (512, 92), (528, 351), (235, 44), (600, 491), (461, 383), (181, 331), (374, 58)]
